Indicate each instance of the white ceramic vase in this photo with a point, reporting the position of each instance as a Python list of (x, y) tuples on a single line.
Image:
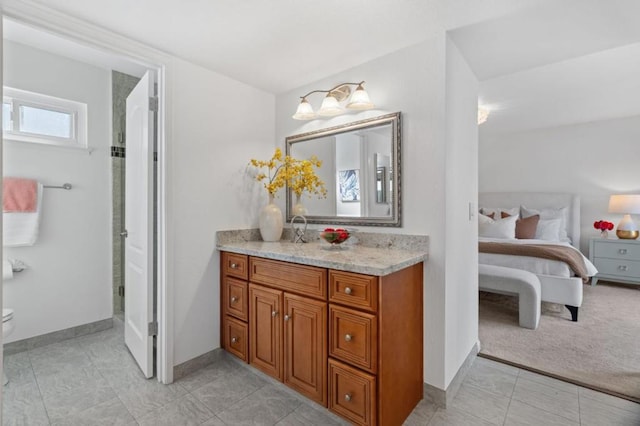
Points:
[(298, 208), (270, 221)]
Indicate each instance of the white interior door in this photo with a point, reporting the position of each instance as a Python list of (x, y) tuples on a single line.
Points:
[(138, 312)]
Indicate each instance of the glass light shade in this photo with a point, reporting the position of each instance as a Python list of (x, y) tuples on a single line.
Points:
[(304, 111), (329, 107), (360, 100), (625, 204)]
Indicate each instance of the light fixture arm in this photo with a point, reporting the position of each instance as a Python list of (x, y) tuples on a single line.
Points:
[(333, 89)]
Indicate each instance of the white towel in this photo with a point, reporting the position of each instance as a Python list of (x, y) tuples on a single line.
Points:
[(21, 229)]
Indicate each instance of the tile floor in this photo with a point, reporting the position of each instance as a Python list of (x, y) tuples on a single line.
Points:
[(92, 380)]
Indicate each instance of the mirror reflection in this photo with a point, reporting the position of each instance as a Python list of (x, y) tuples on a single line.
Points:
[(360, 164)]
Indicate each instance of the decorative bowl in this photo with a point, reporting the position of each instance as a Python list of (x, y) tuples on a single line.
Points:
[(335, 236)]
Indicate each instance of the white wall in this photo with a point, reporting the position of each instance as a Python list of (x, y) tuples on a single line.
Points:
[(68, 282), (218, 125), (593, 160), (461, 230), (375, 143), (412, 80)]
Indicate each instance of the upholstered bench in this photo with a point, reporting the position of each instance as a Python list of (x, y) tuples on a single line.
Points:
[(525, 285)]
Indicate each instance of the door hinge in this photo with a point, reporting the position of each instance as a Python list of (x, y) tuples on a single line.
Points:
[(153, 329), (153, 103), (121, 291)]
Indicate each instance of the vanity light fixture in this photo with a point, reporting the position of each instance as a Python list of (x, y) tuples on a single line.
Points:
[(331, 103), (483, 114)]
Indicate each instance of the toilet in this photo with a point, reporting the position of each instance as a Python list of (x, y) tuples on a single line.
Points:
[(7, 329)]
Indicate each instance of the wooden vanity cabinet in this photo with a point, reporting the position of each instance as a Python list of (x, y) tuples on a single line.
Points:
[(287, 328), (235, 304), (351, 342)]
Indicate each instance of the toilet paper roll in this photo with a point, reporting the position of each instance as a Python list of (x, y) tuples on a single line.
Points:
[(7, 270)]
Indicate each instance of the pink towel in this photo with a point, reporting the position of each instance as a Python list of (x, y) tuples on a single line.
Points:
[(19, 195)]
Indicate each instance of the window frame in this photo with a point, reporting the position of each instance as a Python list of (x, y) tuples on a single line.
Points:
[(77, 110)]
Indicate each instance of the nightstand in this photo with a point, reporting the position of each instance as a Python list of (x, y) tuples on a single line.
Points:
[(616, 260)]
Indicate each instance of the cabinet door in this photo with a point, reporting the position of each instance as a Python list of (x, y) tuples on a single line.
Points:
[(305, 348), (234, 298), (265, 330), (235, 340)]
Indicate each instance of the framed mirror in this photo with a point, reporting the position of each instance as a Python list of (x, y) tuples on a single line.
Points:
[(361, 171)]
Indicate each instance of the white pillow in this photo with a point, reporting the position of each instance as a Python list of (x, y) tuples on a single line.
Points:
[(549, 214), (499, 228), (482, 219), (548, 229), (515, 211)]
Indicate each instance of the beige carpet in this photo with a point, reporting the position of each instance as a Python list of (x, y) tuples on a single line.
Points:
[(600, 351)]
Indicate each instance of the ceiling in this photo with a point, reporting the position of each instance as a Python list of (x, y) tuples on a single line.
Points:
[(555, 65), (541, 63), (278, 45)]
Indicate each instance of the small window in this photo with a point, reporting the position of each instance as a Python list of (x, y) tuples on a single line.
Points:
[(37, 118)]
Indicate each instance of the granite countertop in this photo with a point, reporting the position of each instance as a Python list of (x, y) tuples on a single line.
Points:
[(372, 254)]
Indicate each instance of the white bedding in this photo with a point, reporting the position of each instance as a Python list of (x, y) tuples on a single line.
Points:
[(532, 264)]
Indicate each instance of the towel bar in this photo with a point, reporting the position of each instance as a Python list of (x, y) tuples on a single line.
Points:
[(66, 186)]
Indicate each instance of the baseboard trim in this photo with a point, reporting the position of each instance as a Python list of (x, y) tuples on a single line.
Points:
[(442, 398), (195, 364), (56, 336)]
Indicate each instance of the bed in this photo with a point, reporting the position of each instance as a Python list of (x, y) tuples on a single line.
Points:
[(558, 283)]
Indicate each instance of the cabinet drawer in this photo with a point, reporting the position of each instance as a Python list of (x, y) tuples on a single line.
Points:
[(353, 337), (236, 337), (300, 279), (235, 265), (355, 290), (352, 394), (617, 250), (235, 298), (619, 267)]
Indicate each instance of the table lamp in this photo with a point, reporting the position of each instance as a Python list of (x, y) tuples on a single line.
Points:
[(627, 205)]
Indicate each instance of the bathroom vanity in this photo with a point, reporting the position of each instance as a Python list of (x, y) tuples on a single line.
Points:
[(343, 327)]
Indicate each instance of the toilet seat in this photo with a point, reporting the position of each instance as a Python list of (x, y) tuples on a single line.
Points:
[(7, 314)]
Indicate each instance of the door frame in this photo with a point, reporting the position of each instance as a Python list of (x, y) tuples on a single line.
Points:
[(45, 18)]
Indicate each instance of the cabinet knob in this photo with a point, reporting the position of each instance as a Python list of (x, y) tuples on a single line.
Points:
[(347, 397), (286, 317), (234, 266), (348, 337), (234, 340), (622, 251), (622, 267), (274, 313), (347, 290), (234, 299)]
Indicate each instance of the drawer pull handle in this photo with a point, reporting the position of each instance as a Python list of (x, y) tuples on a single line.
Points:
[(274, 313), (622, 267), (234, 299), (347, 397), (234, 340), (347, 290), (622, 251), (348, 337), (286, 317), (234, 266)]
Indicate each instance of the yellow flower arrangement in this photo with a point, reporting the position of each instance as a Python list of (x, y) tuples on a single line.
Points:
[(298, 174), (304, 178)]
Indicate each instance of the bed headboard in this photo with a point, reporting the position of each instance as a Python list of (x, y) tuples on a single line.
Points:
[(539, 200)]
